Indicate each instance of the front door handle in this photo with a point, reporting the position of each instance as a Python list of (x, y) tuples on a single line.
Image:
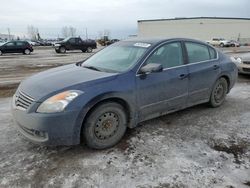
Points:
[(183, 76)]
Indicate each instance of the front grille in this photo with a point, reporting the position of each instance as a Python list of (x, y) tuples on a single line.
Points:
[(246, 69), (246, 62), (22, 100)]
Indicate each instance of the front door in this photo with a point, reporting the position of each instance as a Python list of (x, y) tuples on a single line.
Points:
[(166, 91), (10, 47)]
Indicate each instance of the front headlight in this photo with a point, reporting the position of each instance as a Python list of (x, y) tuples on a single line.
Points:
[(57, 45), (239, 60), (236, 59), (58, 102)]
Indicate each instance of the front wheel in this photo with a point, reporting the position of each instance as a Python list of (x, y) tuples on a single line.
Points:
[(222, 45), (62, 49), (219, 92), (105, 126), (1, 53)]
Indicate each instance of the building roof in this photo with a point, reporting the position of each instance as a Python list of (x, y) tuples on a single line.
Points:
[(195, 18)]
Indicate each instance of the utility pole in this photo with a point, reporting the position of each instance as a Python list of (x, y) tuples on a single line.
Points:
[(86, 32), (8, 32)]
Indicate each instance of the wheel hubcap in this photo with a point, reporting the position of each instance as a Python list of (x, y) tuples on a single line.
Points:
[(89, 50), (219, 92), (106, 125), (62, 50)]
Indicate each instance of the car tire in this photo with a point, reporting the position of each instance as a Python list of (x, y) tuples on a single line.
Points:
[(1, 53), (105, 126), (219, 93), (84, 51), (27, 51), (222, 45), (89, 49), (62, 49)]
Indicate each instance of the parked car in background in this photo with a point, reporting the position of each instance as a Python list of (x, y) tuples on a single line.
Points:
[(128, 82), (112, 41), (75, 43), (234, 43), (243, 64), (219, 42), (17, 46), (33, 43)]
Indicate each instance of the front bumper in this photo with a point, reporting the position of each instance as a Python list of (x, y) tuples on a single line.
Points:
[(48, 129)]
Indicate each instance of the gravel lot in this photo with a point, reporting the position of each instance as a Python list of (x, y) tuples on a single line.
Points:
[(196, 147)]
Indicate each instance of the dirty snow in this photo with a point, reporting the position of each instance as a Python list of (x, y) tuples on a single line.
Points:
[(196, 147)]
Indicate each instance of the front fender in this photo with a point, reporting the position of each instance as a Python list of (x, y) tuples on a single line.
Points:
[(126, 98)]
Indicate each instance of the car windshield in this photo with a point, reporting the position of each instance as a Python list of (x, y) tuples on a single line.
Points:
[(117, 58), (66, 39)]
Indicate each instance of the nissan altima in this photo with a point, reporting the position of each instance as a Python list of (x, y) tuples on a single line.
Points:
[(96, 100)]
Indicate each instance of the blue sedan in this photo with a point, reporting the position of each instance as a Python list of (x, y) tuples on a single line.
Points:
[(131, 81)]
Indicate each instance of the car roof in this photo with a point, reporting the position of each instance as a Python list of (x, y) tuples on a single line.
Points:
[(154, 41), (17, 41)]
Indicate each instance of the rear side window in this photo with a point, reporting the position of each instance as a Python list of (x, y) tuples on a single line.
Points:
[(213, 54), (20, 43), (197, 52)]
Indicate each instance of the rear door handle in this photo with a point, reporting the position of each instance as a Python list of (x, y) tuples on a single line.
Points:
[(183, 76), (215, 67)]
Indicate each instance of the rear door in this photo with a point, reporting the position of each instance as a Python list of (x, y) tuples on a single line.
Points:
[(162, 92), (20, 45), (204, 69)]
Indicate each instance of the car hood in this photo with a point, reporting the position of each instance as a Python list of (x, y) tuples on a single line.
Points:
[(50, 82), (60, 42)]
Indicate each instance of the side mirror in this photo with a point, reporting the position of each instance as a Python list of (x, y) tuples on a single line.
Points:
[(151, 67)]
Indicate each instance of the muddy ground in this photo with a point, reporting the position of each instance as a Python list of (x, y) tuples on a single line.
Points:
[(196, 147)]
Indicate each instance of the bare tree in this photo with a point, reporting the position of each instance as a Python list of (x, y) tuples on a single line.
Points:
[(68, 31), (65, 32), (72, 31), (32, 32)]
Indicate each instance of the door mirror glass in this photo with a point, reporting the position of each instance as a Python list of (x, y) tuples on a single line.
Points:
[(151, 67)]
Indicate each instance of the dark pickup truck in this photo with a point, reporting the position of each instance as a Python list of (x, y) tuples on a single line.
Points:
[(75, 43)]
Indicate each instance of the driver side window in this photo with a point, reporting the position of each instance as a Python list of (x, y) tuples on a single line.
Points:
[(72, 41), (10, 44), (169, 55)]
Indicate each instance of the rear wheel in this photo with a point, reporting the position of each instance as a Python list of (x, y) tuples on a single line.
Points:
[(62, 49), (219, 92), (27, 51), (89, 49), (221, 45), (1, 53), (83, 51), (105, 126)]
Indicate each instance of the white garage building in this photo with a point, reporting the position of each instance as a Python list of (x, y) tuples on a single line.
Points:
[(202, 28)]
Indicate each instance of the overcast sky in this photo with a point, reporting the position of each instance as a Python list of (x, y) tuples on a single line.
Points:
[(118, 16)]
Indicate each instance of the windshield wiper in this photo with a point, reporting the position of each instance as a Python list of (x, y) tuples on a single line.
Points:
[(91, 67)]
